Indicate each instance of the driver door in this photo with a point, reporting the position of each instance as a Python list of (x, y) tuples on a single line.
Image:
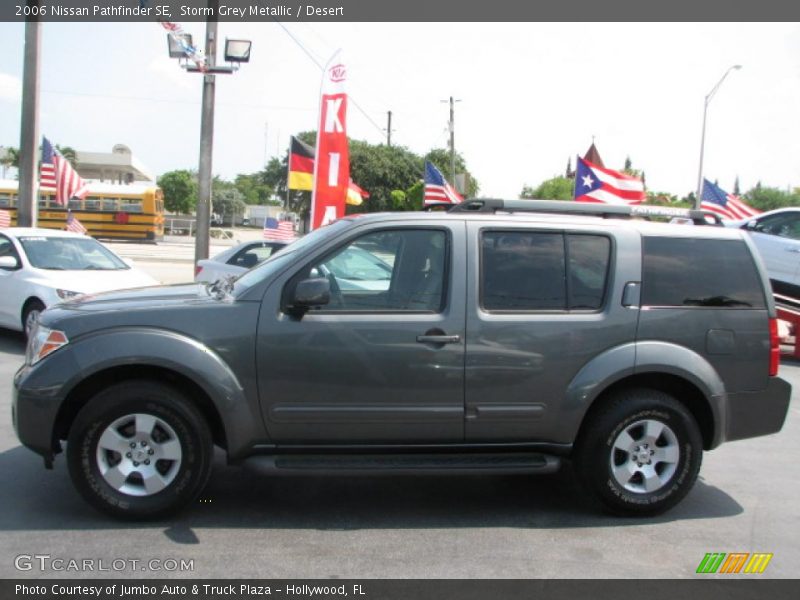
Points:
[(383, 361)]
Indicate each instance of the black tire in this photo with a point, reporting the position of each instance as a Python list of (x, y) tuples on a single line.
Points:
[(174, 417), (601, 466), (34, 306)]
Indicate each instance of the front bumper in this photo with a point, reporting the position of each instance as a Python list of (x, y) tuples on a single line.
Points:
[(37, 399), (751, 414)]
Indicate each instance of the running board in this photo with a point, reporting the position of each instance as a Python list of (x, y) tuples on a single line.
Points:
[(403, 464)]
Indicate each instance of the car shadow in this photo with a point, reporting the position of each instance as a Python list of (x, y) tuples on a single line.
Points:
[(45, 500)]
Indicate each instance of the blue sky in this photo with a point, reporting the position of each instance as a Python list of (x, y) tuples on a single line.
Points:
[(532, 95)]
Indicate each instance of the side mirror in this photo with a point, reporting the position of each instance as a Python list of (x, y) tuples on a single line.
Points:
[(9, 262), (310, 292), (751, 225)]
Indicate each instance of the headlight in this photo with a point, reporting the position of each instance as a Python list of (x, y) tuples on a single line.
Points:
[(67, 294), (43, 341)]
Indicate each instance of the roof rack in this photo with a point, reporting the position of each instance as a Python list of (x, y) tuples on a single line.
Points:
[(606, 211)]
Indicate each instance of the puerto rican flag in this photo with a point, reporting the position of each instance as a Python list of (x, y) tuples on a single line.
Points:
[(598, 184), (727, 206)]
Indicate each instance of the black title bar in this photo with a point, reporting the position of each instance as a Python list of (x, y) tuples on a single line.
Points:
[(400, 10)]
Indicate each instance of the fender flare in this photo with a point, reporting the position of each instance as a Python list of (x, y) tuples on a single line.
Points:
[(143, 347), (640, 358)]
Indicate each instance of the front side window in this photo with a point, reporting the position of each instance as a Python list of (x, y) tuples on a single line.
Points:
[(532, 271), (785, 225), (392, 270), (699, 273), (252, 255)]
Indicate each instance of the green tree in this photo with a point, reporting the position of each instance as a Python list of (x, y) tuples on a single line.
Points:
[(769, 198), (441, 158), (69, 153), (556, 188), (227, 201), (180, 191), (253, 188), (9, 158)]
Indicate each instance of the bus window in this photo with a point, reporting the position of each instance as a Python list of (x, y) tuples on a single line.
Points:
[(92, 203), (6, 200), (110, 204), (75, 204), (44, 200), (131, 205)]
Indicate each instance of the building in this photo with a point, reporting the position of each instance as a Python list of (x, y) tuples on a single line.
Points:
[(118, 166)]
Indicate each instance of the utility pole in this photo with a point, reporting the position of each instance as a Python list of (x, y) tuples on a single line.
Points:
[(452, 128), (389, 129), (29, 127), (201, 245), (452, 141)]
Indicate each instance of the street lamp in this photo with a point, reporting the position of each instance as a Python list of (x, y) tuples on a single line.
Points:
[(709, 96), (236, 51)]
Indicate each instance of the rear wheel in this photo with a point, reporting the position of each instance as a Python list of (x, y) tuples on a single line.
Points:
[(139, 449), (640, 454)]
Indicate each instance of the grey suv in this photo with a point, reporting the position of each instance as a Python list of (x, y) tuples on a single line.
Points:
[(501, 337)]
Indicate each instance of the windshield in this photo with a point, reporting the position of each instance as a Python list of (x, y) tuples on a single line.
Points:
[(278, 260), (69, 254)]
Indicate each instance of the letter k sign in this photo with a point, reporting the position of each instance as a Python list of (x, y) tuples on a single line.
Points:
[(333, 121)]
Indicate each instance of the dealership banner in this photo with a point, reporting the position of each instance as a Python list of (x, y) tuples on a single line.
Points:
[(332, 164)]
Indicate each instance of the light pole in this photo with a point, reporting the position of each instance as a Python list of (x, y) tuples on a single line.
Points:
[(236, 51), (708, 98)]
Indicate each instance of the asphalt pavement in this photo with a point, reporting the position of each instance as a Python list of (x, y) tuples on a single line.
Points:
[(403, 527)]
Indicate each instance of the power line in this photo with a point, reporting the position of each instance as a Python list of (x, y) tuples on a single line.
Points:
[(321, 68)]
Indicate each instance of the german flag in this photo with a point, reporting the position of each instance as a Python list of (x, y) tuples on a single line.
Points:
[(301, 166)]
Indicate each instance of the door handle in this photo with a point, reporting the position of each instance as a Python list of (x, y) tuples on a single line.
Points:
[(438, 339)]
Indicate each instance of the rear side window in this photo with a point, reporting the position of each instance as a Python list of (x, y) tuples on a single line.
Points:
[(529, 270), (699, 273)]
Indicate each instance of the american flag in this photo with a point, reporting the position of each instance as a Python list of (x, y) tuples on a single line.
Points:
[(594, 183), (437, 189), (5, 218), (727, 206), (278, 231), (73, 224), (57, 174)]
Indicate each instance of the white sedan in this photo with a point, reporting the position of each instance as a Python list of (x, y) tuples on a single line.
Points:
[(41, 267), (235, 260), (776, 234)]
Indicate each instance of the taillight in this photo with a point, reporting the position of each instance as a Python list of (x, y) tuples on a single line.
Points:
[(197, 269), (774, 348)]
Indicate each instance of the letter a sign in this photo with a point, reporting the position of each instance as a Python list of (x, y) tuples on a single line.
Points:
[(332, 165)]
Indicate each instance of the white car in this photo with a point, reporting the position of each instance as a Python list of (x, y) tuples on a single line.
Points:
[(41, 267), (235, 260), (776, 234)]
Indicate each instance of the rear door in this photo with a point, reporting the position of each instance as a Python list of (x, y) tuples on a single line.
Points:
[(543, 303), (383, 362)]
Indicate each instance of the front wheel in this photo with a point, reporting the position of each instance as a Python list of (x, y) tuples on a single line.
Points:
[(139, 450), (640, 454)]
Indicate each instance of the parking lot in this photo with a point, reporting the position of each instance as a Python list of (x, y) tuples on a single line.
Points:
[(469, 526)]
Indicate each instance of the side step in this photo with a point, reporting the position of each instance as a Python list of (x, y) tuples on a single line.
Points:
[(403, 464)]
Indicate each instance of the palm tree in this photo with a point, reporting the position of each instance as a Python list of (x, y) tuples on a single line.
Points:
[(9, 158), (70, 154)]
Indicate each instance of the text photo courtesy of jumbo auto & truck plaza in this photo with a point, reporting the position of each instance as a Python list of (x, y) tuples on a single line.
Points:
[(377, 299)]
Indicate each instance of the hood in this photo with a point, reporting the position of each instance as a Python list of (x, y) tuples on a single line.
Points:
[(92, 282), (139, 298)]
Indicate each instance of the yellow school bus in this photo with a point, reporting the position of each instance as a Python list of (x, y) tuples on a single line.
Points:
[(114, 212)]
